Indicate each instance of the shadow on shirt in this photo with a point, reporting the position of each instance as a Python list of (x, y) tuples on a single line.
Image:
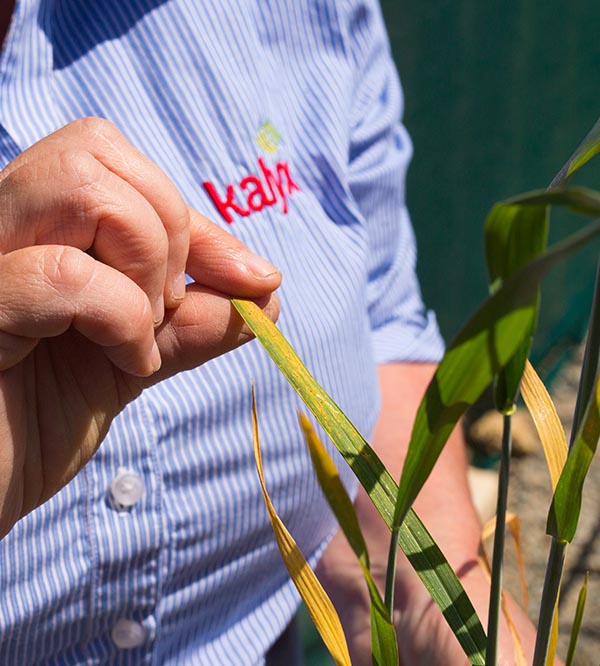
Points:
[(75, 27)]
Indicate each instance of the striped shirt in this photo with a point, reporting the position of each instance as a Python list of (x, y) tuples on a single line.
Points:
[(279, 120)]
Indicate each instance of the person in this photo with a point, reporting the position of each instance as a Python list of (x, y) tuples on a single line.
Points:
[(133, 526)]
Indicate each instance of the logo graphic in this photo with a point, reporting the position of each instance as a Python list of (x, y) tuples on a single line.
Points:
[(256, 191), (268, 138)]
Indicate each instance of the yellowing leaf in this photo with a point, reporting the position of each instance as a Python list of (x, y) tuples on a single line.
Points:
[(318, 604), (333, 488), (554, 443), (546, 421), (383, 633)]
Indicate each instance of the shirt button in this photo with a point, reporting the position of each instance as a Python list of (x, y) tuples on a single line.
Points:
[(127, 634), (126, 488)]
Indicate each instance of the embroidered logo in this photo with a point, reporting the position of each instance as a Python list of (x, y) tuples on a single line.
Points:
[(270, 186), (259, 191), (268, 138)]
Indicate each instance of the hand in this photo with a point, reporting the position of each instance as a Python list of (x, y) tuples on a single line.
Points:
[(94, 244)]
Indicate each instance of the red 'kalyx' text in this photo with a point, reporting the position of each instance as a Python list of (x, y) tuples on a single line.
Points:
[(271, 186)]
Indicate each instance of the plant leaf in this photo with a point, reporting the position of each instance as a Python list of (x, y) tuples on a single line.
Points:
[(318, 604), (414, 539), (514, 234), (548, 425), (553, 642), (589, 147), (581, 599), (566, 503), (383, 632), (483, 347)]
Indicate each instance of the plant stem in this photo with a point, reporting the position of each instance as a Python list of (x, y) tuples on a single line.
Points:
[(390, 574), (556, 557), (556, 560), (491, 654)]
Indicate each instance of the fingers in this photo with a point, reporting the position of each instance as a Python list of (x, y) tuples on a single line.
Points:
[(86, 186), (47, 289), (82, 205), (220, 261), (112, 149), (205, 326)]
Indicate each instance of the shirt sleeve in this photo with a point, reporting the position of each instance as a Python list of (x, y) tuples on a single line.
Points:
[(380, 151)]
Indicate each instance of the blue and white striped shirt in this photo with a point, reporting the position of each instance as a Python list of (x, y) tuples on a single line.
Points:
[(278, 119)]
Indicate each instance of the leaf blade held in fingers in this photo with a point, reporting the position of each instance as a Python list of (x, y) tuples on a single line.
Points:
[(414, 539)]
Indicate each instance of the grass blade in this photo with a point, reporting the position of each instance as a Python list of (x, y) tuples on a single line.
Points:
[(589, 147), (317, 602), (566, 503), (554, 444), (548, 425), (383, 632), (577, 622), (413, 538)]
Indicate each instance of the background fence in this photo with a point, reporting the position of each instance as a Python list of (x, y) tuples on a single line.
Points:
[(497, 96)]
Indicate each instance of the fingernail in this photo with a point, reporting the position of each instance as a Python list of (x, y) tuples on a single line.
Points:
[(179, 287), (259, 266), (155, 358), (158, 311)]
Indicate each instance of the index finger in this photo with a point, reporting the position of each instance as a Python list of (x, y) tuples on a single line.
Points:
[(106, 143)]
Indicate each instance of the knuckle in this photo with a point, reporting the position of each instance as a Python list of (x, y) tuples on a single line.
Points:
[(78, 169), (66, 269), (93, 127)]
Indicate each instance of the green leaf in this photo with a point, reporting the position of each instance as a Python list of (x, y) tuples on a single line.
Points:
[(566, 503), (414, 539), (580, 200), (484, 346), (588, 148), (383, 632), (577, 622), (514, 234)]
